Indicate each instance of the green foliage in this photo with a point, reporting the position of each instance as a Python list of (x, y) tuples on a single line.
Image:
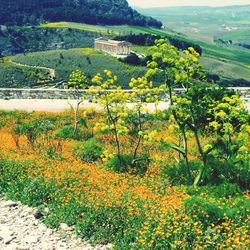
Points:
[(179, 174), (78, 80), (31, 130), (14, 178), (73, 59), (231, 171), (67, 132), (36, 12), (224, 189), (107, 223), (88, 151), (127, 164), (200, 207)]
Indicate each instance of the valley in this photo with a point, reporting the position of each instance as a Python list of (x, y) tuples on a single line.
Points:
[(228, 64)]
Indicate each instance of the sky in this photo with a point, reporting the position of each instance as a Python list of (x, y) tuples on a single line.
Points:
[(160, 3)]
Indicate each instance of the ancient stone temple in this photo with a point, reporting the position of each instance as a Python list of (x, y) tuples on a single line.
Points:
[(113, 47)]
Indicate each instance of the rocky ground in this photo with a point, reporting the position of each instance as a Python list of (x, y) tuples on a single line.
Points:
[(21, 230)]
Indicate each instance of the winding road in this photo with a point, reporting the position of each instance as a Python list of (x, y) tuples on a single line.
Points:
[(51, 72)]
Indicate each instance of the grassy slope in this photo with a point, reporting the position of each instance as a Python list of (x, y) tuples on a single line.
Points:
[(65, 61), (224, 56), (204, 24), (224, 61)]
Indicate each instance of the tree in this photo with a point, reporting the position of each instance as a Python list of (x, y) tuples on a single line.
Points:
[(143, 93), (177, 69), (122, 120), (218, 114), (109, 95), (77, 82)]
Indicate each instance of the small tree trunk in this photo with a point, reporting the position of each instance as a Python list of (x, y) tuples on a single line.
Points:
[(140, 137), (185, 146), (184, 136), (75, 118), (116, 134), (203, 157), (76, 111)]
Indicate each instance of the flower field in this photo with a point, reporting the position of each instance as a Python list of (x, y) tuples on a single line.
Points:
[(171, 179), (132, 211)]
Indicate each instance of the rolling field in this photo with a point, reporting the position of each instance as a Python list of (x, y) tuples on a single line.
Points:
[(107, 30), (227, 57), (204, 23), (64, 62), (228, 62)]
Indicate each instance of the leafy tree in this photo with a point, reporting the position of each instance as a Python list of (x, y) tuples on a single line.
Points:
[(210, 110), (114, 103), (77, 82), (199, 107), (143, 93), (122, 120), (177, 69)]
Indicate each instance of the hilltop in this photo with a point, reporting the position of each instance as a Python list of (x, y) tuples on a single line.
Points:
[(222, 32), (108, 12)]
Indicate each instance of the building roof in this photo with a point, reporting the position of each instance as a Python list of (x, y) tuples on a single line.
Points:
[(112, 42)]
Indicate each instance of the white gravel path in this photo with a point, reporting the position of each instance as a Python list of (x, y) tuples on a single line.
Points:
[(56, 105), (19, 230)]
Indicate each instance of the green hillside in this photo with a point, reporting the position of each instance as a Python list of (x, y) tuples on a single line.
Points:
[(204, 23), (230, 63), (64, 62), (222, 32), (226, 57), (108, 12)]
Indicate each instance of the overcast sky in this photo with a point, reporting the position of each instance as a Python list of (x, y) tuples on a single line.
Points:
[(159, 3)]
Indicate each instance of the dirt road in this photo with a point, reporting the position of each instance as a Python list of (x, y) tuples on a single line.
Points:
[(55, 105)]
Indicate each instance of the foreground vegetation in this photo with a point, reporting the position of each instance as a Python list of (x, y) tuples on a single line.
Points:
[(151, 211), (139, 178)]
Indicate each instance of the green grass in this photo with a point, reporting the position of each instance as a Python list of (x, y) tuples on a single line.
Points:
[(238, 36), (85, 59), (225, 69), (17, 76), (107, 30), (209, 49)]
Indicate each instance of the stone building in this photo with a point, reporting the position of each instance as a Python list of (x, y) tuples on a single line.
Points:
[(113, 47)]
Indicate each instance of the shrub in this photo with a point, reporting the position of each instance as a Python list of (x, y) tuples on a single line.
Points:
[(231, 172), (210, 207), (222, 190), (28, 129), (126, 164), (88, 151), (120, 164), (178, 174), (67, 132)]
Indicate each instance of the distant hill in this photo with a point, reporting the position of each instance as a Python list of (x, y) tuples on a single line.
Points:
[(242, 10), (22, 12)]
